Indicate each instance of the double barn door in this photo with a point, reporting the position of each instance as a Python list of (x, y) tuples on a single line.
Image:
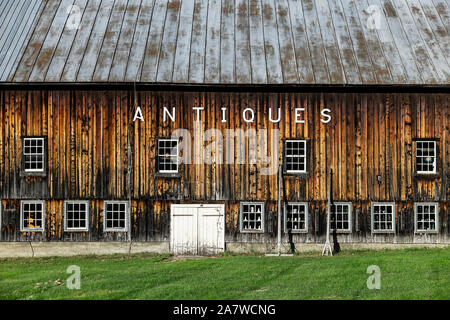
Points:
[(197, 229)]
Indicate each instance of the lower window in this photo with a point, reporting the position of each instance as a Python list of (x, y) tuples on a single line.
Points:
[(252, 217), (342, 217), (296, 217), (76, 215), (32, 215), (426, 216), (115, 216), (383, 217)]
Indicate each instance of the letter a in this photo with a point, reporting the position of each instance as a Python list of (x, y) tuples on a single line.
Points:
[(374, 281), (138, 114)]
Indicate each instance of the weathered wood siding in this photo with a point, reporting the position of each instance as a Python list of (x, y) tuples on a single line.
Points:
[(150, 221), (370, 134)]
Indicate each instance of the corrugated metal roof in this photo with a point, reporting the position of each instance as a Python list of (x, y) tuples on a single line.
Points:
[(16, 21), (227, 42)]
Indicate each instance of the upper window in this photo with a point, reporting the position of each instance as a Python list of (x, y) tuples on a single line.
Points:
[(295, 156), (76, 215), (426, 217), (32, 216), (167, 156), (252, 216), (296, 217), (33, 154), (383, 217), (425, 157), (342, 217), (115, 216)]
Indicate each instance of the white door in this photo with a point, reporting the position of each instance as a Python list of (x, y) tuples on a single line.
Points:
[(197, 229), (183, 231)]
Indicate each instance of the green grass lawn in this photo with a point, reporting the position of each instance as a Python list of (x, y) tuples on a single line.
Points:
[(405, 274)]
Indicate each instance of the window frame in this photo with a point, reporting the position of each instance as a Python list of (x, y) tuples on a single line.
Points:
[(306, 157), (86, 228), (167, 172), (372, 205), (436, 214), (22, 227), (241, 217), (306, 229), (127, 216), (435, 161), (32, 172), (350, 216)]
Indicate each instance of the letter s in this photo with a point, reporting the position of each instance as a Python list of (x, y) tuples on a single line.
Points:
[(324, 113)]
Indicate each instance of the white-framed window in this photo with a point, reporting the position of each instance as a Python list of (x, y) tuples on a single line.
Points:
[(343, 217), (76, 216), (296, 217), (252, 217), (115, 217), (167, 156), (295, 156), (33, 154), (426, 152), (32, 215), (426, 217), (383, 217)]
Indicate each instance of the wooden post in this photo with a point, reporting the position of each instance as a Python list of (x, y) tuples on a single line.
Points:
[(129, 160), (327, 248), (129, 166), (279, 211), (278, 254)]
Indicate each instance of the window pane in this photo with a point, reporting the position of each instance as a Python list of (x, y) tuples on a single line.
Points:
[(33, 151), (252, 216), (426, 215), (32, 215), (167, 156), (383, 217), (425, 156), (76, 215), (295, 155), (116, 215)]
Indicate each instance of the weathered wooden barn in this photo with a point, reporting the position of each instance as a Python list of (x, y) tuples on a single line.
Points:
[(165, 121)]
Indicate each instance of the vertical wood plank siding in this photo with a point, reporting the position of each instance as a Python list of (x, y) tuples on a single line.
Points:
[(370, 135)]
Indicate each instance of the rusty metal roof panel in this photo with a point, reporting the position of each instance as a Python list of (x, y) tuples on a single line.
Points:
[(344, 42), (17, 21)]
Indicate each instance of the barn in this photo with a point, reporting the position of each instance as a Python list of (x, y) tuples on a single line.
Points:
[(183, 124)]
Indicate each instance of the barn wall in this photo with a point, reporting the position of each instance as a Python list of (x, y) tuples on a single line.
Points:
[(370, 134), (150, 221)]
